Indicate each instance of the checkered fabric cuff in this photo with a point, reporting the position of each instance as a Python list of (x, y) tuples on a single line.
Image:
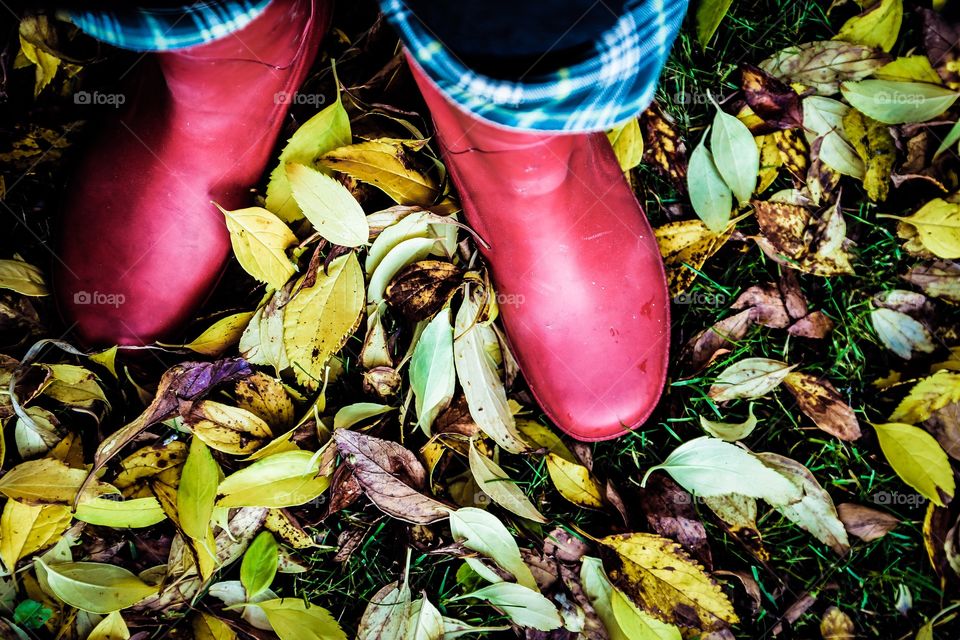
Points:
[(169, 28), (612, 84)]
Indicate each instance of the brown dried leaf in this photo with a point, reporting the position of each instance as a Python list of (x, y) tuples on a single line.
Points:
[(942, 42), (685, 246), (391, 477), (766, 305), (816, 325), (710, 343), (773, 101), (422, 288), (823, 65), (866, 523), (940, 279), (663, 147), (944, 425), (823, 404), (669, 511), (793, 153)]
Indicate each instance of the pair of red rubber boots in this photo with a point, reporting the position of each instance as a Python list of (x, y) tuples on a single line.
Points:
[(570, 250)]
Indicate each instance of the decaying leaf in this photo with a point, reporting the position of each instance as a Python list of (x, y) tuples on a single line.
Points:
[(824, 64), (822, 403), (874, 144), (865, 523), (384, 163), (939, 279), (773, 101), (685, 246), (421, 289), (878, 26), (792, 236), (662, 145), (494, 481)]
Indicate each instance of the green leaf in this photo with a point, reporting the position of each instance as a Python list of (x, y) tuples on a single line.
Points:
[(524, 606), (483, 532), (432, 374), (197, 491), (823, 118), (900, 333), (710, 14), (121, 514), (749, 378), (324, 132), (31, 614), (731, 431), (895, 102), (494, 482), (710, 196), (285, 479), (21, 277), (710, 467), (918, 459), (259, 564), (94, 586), (295, 619), (329, 206), (358, 412), (735, 155)]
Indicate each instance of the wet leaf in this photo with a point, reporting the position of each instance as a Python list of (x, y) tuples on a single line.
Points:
[(896, 102), (93, 586), (900, 333), (709, 467), (495, 482), (918, 460), (658, 575), (376, 464), (749, 378), (260, 241), (710, 196), (878, 26), (864, 522), (824, 64), (328, 205), (432, 370), (318, 319), (822, 403), (814, 512)]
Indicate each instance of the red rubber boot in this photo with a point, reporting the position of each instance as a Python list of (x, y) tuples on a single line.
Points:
[(142, 246), (583, 293)]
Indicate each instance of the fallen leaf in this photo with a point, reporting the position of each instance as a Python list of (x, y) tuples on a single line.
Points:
[(897, 102), (525, 607), (328, 205), (670, 512), (874, 144), (385, 164), (836, 625), (221, 335), (575, 482), (940, 279), (864, 522), (710, 196), (663, 147), (376, 463), (259, 564), (93, 586), (823, 404), (432, 370), (686, 245), (285, 479), (749, 378), (228, 429), (483, 532), (731, 431), (137, 513), (658, 575), (494, 482), (23, 278), (918, 460), (878, 26), (260, 241), (26, 529), (421, 289), (296, 619), (824, 64), (937, 225), (736, 157), (928, 396), (900, 333), (709, 15), (627, 142), (773, 101)]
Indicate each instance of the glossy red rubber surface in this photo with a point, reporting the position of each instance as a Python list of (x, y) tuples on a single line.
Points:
[(141, 245), (579, 276)]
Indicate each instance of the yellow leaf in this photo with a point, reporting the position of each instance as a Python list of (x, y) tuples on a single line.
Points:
[(909, 69), (121, 514), (25, 529), (21, 277), (878, 26), (110, 628), (329, 206), (318, 319), (383, 163), (918, 459), (543, 437), (627, 142), (685, 246), (221, 335), (74, 386), (45, 480), (265, 396), (93, 586), (285, 479), (46, 64), (281, 523), (197, 491), (927, 396), (229, 429), (323, 132), (159, 462), (295, 619), (208, 627), (497, 484), (874, 144), (260, 240), (574, 482), (658, 575), (938, 225)]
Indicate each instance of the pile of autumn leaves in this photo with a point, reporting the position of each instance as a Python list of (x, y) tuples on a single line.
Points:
[(232, 451)]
